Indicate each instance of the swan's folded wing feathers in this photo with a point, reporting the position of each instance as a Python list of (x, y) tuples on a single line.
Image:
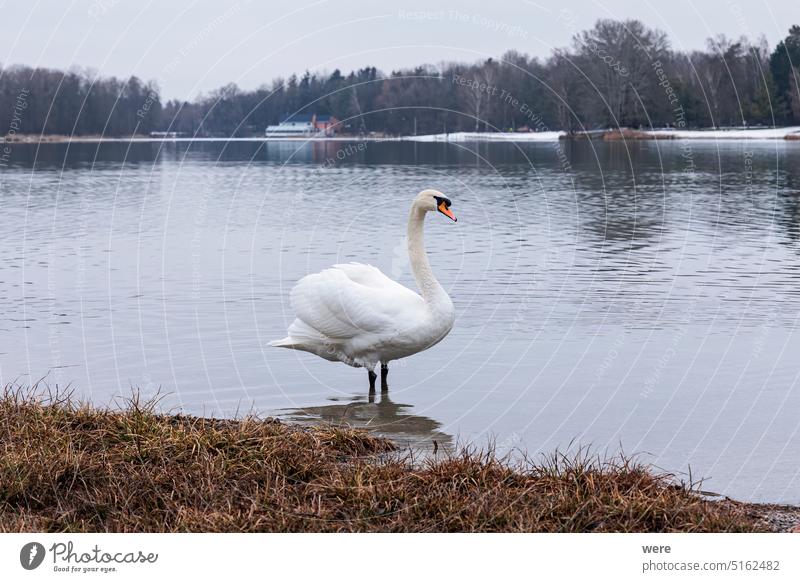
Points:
[(365, 274), (314, 301), (374, 277), (350, 300)]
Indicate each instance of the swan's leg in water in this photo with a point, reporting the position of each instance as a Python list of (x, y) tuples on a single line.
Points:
[(372, 376), (384, 376)]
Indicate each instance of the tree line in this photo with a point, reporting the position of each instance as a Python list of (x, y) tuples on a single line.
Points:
[(47, 101), (618, 73)]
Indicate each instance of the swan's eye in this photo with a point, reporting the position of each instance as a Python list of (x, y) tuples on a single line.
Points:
[(442, 200), (443, 206)]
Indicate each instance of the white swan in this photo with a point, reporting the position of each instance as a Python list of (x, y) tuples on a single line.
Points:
[(355, 314)]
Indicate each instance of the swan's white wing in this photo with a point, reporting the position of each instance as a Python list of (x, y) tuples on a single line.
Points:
[(353, 299), (373, 277)]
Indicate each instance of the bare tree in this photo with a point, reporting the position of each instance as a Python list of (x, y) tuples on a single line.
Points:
[(476, 87), (616, 61)]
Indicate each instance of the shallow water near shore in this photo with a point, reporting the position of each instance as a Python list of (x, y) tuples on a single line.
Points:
[(639, 296)]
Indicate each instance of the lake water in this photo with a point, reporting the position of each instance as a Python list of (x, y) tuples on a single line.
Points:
[(642, 296)]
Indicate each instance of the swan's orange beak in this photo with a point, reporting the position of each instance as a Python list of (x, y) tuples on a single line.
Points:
[(447, 212)]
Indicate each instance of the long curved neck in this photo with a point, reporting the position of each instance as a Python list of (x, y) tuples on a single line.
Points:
[(430, 289)]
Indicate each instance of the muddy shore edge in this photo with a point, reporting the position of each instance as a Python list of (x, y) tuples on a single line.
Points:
[(67, 466)]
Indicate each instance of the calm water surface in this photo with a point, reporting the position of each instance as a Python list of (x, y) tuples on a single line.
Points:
[(643, 297)]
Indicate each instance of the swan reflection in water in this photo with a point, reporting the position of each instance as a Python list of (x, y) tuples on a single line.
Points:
[(380, 416)]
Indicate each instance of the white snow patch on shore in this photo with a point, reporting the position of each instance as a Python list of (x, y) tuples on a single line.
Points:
[(465, 136), (707, 134), (714, 134)]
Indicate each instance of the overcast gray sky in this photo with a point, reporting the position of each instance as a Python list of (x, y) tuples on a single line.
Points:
[(195, 46)]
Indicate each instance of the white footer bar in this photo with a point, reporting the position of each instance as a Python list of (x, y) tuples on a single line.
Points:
[(414, 557)]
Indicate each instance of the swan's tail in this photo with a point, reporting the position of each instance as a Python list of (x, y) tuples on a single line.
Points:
[(301, 336), (286, 342), (305, 338), (293, 343)]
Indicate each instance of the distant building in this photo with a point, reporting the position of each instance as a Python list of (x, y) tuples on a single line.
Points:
[(326, 124), (304, 125)]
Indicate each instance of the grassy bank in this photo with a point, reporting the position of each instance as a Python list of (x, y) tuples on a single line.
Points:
[(70, 467)]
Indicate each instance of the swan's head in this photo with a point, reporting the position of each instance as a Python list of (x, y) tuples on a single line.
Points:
[(435, 201)]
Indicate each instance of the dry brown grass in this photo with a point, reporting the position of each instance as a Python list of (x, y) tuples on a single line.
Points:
[(70, 467)]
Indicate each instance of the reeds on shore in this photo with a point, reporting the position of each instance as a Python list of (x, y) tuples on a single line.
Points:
[(70, 467)]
